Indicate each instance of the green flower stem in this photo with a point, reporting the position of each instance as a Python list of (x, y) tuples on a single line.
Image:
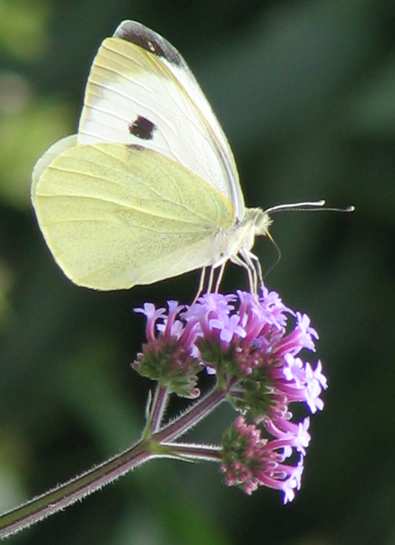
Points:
[(147, 448), (195, 452), (159, 404), (191, 416), (66, 494)]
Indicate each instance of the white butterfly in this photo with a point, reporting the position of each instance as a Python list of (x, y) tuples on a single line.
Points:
[(148, 188)]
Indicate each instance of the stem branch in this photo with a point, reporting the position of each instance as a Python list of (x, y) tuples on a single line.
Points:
[(191, 416), (196, 452)]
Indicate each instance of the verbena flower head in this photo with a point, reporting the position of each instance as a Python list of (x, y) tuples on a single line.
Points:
[(169, 355), (251, 461), (258, 348), (256, 342)]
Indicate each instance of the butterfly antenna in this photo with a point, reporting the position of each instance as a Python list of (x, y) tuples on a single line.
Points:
[(307, 206)]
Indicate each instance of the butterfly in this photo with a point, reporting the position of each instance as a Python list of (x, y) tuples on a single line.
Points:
[(148, 188)]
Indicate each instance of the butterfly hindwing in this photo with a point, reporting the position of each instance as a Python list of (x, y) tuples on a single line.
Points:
[(115, 215), (47, 158)]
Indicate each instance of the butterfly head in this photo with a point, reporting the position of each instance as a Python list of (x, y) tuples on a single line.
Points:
[(242, 236), (260, 220)]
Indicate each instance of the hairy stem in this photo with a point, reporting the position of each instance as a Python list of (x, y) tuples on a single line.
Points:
[(158, 445), (65, 494), (195, 452), (191, 416), (158, 408)]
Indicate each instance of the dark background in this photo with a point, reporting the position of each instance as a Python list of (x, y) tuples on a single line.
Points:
[(305, 91)]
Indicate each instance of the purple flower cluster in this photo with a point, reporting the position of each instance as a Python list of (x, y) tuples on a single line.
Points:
[(169, 355), (255, 345), (252, 461)]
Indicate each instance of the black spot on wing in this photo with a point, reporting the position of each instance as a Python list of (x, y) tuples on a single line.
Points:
[(142, 128), (138, 34)]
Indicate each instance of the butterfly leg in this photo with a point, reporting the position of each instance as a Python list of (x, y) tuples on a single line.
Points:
[(219, 277), (210, 280), (200, 286), (258, 267), (247, 257), (239, 261)]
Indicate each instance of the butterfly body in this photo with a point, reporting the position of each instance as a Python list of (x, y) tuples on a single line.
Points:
[(148, 187), (240, 237)]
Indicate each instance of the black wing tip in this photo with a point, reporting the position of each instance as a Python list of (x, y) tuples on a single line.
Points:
[(138, 34)]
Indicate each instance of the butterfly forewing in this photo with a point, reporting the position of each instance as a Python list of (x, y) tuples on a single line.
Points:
[(141, 91)]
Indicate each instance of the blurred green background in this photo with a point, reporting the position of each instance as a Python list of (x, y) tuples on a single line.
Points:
[(305, 91)]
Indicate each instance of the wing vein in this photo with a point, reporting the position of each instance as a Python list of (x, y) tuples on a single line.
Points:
[(134, 208), (141, 181)]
